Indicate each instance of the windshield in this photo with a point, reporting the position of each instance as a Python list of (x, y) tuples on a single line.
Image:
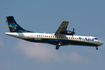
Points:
[(96, 38)]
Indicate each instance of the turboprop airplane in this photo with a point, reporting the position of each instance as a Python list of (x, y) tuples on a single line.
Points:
[(61, 37)]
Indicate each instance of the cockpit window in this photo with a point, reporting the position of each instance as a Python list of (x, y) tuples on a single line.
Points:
[(96, 38)]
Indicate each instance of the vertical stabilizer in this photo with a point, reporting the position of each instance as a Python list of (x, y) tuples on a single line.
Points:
[(13, 26)]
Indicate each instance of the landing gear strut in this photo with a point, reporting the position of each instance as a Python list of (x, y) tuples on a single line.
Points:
[(96, 47)]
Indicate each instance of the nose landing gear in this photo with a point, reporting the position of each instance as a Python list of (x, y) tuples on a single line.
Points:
[(96, 47)]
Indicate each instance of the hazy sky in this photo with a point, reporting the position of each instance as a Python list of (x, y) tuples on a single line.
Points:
[(87, 16)]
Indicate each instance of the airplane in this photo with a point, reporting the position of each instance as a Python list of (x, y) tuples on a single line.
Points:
[(61, 37)]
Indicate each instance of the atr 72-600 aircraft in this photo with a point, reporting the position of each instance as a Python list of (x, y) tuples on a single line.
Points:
[(60, 38)]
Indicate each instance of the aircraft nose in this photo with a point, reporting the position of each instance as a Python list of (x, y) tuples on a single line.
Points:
[(101, 43)]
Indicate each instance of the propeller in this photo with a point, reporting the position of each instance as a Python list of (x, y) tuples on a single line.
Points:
[(72, 33)]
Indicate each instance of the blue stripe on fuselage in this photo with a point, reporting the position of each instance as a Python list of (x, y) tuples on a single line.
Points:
[(64, 42)]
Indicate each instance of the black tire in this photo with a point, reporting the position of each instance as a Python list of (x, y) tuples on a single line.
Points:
[(96, 48), (57, 47)]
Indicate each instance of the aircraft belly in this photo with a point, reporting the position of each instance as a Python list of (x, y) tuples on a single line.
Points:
[(54, 42), (64, 42)]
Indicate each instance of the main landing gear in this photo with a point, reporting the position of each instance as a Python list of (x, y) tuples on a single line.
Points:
[(96, 47), (58, 45)]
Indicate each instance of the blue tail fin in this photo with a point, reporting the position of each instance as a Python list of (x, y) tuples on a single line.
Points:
[(13, 26)]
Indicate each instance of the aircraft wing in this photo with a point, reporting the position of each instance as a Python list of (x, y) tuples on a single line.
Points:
[(62, 27)]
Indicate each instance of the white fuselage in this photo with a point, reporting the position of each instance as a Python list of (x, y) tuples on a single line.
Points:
[(55, 39)]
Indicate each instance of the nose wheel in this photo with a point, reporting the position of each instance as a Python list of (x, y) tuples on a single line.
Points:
[(96, 47)]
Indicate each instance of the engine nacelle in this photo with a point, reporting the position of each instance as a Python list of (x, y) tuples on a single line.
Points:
[(67, 32)]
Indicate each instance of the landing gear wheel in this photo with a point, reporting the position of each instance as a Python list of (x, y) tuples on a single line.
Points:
[(57, 47), (96, 48)]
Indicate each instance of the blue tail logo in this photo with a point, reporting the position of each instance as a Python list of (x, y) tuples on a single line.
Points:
[(13, 26)]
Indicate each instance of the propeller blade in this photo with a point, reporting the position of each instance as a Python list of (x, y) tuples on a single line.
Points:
[(72, 33), (73, 29)]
